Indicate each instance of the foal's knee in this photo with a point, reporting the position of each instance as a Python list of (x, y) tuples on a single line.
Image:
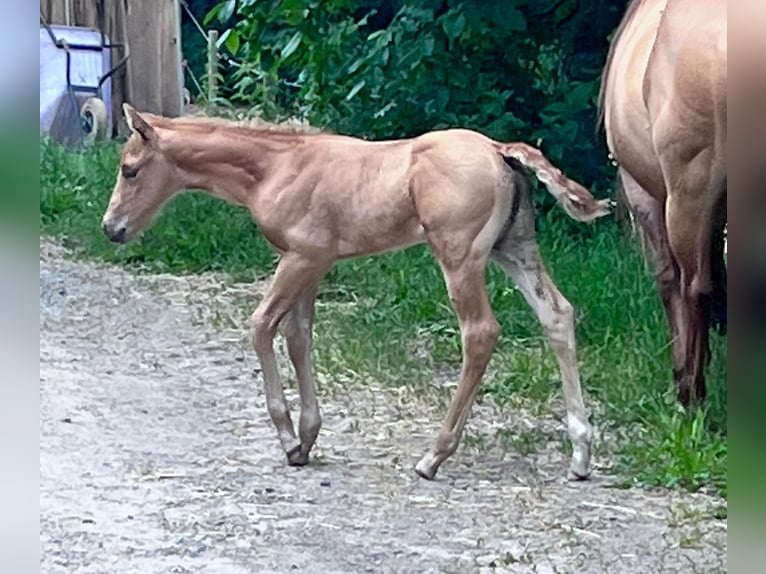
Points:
[(262, 331)]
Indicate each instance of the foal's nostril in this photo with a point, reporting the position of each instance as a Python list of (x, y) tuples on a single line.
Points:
[(119, 236), (115, 235)]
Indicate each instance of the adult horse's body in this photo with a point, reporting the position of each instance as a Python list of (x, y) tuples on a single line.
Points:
[(663, 99), (321, 197)]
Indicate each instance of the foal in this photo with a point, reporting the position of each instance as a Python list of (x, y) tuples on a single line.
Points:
[(319, 198)]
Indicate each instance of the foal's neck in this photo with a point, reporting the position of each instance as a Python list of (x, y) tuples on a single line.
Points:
[(228, 164)]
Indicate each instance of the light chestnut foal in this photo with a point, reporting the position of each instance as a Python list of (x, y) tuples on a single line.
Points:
[(320, 197)]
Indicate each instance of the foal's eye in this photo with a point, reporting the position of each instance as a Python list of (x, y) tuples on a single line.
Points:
[(129, 172)]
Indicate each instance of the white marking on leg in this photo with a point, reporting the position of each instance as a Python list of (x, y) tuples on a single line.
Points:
[(556, 316), (580, 435), (578, 429)]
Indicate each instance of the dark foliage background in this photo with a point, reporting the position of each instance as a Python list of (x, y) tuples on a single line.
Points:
[(514, 69)]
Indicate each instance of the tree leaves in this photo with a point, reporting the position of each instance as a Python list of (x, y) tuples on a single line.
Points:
[(500, 66), (291, 45), (453, 24), (230, 39), (226, 10), (514, 20), (355, 90)]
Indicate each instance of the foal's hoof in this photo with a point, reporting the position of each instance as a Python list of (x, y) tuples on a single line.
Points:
[(297, 458), (425, 474), (580, 474), (580, 469), (427, 467), (580, 466)]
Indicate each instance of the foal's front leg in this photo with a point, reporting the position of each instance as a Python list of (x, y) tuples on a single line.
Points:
[(299, 342), (294, 275)]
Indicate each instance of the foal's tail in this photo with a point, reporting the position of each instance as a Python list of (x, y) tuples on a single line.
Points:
[(573, 197)]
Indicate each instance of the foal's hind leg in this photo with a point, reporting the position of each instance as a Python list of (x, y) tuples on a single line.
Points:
[(479, 330), (525, 267), (294, 275), (299, 342)]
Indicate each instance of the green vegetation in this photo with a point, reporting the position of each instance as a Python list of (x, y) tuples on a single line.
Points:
[(514, 69), (388, 318)]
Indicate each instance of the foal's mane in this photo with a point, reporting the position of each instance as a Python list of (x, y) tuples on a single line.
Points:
[(251, 126), (630, 12)]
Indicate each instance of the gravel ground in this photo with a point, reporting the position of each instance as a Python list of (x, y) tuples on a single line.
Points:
[(157, 455)]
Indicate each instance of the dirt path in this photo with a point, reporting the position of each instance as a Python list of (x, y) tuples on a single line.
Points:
[(157, 455)]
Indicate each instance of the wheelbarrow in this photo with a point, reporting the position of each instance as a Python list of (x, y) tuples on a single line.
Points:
[(75, 81)]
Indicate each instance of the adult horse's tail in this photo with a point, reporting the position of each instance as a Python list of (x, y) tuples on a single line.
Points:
[(718, 309), (573, 197)]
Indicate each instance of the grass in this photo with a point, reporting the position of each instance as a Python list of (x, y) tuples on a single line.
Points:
[(388, 318)]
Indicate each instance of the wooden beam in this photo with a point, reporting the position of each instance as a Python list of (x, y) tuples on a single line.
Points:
[(155, 57)]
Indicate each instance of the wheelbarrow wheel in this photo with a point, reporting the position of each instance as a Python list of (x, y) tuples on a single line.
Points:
[(94, 119)]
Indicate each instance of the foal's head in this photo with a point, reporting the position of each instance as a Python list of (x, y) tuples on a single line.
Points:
[(145, 181)]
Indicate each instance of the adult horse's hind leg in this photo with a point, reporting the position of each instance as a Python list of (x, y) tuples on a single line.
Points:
[(299, 337), (479, 331), (651, 217), (295, 274), (522, 263), (695, 177), (690, 240)]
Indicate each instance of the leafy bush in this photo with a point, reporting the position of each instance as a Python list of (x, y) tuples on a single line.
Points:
[(493, 66)]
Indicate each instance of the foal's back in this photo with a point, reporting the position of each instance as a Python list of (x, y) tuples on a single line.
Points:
[(369, 197)]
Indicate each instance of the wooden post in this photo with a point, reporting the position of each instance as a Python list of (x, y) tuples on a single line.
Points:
[(154, 58), (179, 55), (212, 66)]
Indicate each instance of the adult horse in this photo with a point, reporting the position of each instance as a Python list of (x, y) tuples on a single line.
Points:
[(663, 106), (319, 198)]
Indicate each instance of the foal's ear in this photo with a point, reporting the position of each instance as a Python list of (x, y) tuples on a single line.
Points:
[(138, 124)]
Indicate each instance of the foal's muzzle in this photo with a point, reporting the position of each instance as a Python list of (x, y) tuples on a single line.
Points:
[(114, 233)]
